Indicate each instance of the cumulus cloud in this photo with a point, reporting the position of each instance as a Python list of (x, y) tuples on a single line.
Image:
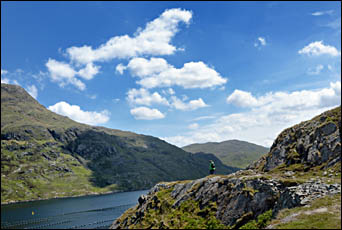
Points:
[(3, 79), (262, 123), (242, 99), (32, 90), (74, 112), (191, 105), (63, 74), (144, 113), (156, 72), (318, 48), (120, 68), (144, 97), (89, 71), (283, 100), (154, 39)]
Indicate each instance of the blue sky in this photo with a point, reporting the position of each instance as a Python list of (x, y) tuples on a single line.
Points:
[(182, 71)]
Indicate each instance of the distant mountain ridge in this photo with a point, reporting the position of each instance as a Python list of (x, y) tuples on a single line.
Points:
[(45, 155), (233, 153)]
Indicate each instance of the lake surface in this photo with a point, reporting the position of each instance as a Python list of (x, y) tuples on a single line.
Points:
[(77, 212)]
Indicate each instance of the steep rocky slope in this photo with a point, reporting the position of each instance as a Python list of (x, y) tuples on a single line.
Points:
[(302, 168), (233, 153), (45, 155)]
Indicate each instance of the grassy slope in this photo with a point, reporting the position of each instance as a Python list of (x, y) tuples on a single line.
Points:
[(35, 165), (234, 153), (27, 175)]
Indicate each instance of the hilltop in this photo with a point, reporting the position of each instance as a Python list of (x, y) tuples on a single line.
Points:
[(45, 155), (233, 153), (296, 185)]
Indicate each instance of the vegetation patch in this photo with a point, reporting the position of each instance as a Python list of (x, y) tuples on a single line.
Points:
[(262, 221), (188, 215), (323, 213)]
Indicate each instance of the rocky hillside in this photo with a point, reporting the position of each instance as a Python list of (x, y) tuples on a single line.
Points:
[(297, 184), (45, 155), (233, 153)]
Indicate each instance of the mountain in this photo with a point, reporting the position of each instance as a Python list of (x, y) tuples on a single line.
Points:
[(45, 155), (233, 153), (296, 185)]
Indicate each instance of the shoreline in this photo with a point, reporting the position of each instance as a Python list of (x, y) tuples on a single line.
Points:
[(40, 199)]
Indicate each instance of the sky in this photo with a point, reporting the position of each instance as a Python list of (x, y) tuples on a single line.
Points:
[(185, 72)]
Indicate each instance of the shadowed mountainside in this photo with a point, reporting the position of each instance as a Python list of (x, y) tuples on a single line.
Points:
[(45, 155)]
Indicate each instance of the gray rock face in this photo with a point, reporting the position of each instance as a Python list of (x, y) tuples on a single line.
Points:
[(238, 200), (310, 143)]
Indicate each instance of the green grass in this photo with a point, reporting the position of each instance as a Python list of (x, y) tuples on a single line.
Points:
[(33, 177), (262, 221), (330, 219), (187, 216)]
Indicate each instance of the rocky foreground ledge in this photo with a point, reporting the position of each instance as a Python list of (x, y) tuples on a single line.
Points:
[(302, 167), (233, 200)]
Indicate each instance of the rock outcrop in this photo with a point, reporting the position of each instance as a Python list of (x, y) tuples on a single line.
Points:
[(294, 173), (310, 143)]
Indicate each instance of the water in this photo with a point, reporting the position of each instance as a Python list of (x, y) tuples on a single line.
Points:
[(78, 212)]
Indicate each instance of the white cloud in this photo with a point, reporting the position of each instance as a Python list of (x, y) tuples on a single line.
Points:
[(153, 40), (261, 42), (262, 123), (317, 70), (156, 72), (320, 13), (144, 113), (282, 100), (64, 74), (3, 72), (32, 90), (318, 48), (191, 105), (89, 71), (120, 68), (5, 80), (203, 118), (242, 99), (60, 70), (74, 112), (144, 97), (193, 126), (171, 91)]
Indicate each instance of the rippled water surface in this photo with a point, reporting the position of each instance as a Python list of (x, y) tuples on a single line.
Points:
[(79, 212)]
